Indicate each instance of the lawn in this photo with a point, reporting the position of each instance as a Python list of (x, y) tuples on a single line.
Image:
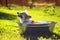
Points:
[(9, 29)]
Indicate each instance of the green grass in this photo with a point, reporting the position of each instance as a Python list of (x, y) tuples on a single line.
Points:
[(9, 29)]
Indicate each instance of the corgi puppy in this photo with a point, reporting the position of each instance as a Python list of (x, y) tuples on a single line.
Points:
[(25, 18)]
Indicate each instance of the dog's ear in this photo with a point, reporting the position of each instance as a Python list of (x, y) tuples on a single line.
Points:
[(29, 16), (25, 11)]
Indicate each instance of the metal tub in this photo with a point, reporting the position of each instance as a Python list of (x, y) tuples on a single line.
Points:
[(37, 29)]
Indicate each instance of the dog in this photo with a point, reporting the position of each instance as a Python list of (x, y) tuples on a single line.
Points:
[(25, 18)]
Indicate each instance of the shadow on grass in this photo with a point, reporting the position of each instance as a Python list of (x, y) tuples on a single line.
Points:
[(7, 16)]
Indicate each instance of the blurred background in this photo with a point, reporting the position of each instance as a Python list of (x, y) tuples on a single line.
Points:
[(34, 3), (39, 10)]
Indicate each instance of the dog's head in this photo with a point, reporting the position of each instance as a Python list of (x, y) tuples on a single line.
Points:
[(20, 14), (23, 15)]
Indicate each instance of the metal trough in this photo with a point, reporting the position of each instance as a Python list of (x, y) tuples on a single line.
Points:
[(42, 24), (39, 29)]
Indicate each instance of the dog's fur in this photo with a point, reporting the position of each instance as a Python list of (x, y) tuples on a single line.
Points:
[(25, 18)]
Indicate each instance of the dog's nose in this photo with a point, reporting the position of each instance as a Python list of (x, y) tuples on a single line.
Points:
[(18, 12)]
